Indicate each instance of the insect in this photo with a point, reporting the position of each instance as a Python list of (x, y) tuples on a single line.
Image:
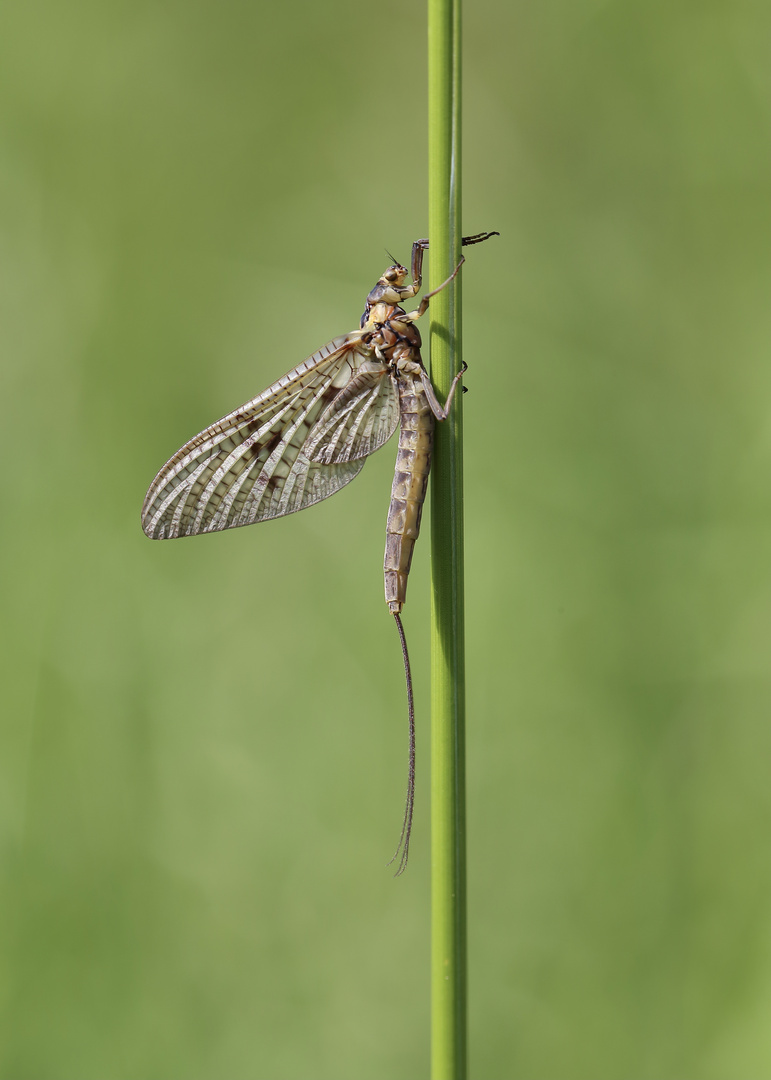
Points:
[(309, 434)]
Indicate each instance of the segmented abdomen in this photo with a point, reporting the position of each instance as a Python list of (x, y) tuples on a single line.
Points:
[(408, 492)]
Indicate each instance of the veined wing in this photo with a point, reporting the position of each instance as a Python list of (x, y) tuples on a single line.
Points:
[(362, 417), (252, 464)]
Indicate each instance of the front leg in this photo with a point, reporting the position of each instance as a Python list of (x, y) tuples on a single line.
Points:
[(422, 245), (417, 262), (417, 265)]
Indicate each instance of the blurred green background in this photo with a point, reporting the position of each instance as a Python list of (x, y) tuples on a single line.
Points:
[(203, 744)]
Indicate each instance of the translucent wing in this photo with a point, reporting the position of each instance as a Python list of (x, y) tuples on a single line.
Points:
[(254, 463), (362, 417)]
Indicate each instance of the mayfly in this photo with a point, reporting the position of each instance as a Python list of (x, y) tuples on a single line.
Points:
[(309, 434)]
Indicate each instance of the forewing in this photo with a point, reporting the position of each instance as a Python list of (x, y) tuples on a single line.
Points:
[(252, 464), (362, 417)]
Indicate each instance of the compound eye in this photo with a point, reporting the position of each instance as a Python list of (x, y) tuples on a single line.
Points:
[(392, 274)]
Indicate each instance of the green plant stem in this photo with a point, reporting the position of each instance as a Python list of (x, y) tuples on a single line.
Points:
[(448, 849)]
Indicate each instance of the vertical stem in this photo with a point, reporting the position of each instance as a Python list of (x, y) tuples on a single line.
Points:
[(448, 856)]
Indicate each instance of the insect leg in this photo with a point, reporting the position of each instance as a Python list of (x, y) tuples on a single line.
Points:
[(422, 245), (433, 401), (417, 262), (411, 316), (477, 238)]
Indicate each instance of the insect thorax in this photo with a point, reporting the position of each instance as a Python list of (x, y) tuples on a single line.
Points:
[(388, 333)]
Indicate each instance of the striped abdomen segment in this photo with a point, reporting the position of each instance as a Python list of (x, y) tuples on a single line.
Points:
[(413, 462)]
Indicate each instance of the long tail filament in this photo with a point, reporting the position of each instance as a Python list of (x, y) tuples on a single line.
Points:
[(403, 847)]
